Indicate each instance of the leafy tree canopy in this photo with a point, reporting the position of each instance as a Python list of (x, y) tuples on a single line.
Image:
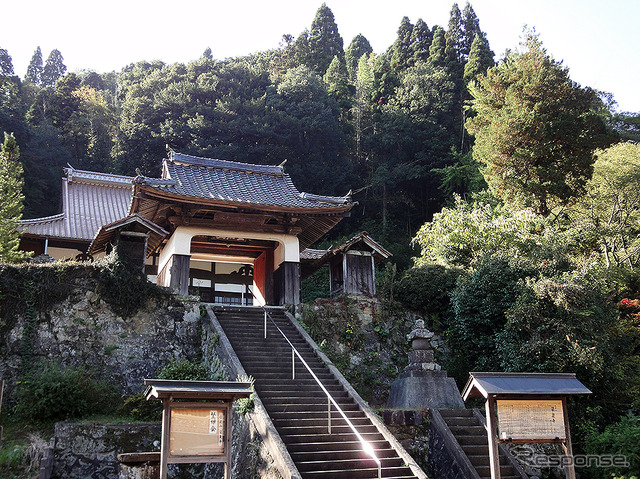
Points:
[(11, 199), (535, 129)]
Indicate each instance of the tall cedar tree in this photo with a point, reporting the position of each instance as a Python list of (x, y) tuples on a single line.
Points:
[(421, 38), (400, 53), (6, 63), (10, 200), (535, 129), (53, 69), (437, 47), (324, 41), (338, 84), (480, 58), (359, 46), (34, 70), (455, 33), (471, 27)]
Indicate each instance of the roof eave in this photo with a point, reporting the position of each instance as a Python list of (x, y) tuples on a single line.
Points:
[(156, 194)]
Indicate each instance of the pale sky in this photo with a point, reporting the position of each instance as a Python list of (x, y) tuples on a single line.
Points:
[(599, 40)]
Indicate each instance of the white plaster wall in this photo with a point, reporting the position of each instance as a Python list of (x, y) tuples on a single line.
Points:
[(180, 243)]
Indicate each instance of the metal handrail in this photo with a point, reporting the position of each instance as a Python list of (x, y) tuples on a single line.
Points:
[(368, 448)]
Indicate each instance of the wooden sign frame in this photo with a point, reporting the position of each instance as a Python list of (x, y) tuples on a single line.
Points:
[(494, 440), (169, 434)]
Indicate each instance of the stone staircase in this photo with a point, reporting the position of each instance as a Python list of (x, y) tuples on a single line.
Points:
[(468, 428), (298, 407)]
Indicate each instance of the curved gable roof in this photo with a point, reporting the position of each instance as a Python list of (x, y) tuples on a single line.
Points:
[(230, 182)]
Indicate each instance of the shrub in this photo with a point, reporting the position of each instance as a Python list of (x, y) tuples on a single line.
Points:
[(184, 370), (245, 405), (124, 286), (138, 408), (427, 291), (51, 391), (622, 438), (316, 286), (480, 303)]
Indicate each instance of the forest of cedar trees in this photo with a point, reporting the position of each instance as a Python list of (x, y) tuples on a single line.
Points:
[(508, 194)]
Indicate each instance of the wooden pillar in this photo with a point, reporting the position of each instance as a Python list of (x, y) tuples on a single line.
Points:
[(492, 436), (164, 442), (175, 273), (570, 470), (287, 277)]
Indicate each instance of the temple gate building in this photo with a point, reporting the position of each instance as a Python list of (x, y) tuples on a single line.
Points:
[(230, 232)]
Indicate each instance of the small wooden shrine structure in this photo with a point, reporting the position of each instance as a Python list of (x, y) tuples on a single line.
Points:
[(196, 432), (525, 407), (351, 265)]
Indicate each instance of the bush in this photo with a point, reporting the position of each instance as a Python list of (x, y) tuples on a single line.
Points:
[(480, 303), (427, 291), (622, 437), (138, 408), (124, 286), (316, 286), (51, 391), (184, 370)]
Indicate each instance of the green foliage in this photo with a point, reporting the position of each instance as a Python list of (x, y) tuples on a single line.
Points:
[(334, 321), (52, 391), (462, 177), (11, 199), (184, 370), (6, 63), (480, 59), (462, 235), (124, 286), (480, 305), (34, 70), (324, 41), (535, 129), (315, 286), (427, 290), (53, 69), (400, 53), (556, 326), (608, 216), (622, 438), (359, 46), (245, 405), (13, 460), (138, 408)]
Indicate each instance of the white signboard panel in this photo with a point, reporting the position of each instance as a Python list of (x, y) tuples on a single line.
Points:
[(538, 420)]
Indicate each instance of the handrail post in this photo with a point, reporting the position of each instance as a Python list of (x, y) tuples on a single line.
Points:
[(329, 414), (293, 363), (265, 323)]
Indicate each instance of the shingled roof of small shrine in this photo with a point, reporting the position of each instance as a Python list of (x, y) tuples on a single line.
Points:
[(233, 182)]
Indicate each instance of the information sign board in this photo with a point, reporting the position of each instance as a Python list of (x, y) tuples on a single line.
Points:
[(197, 432), (537, 420)]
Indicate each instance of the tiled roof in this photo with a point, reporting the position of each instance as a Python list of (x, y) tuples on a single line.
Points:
[(312, 254), (107, 233), (89, 200), (321, 256), (232, 182)]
